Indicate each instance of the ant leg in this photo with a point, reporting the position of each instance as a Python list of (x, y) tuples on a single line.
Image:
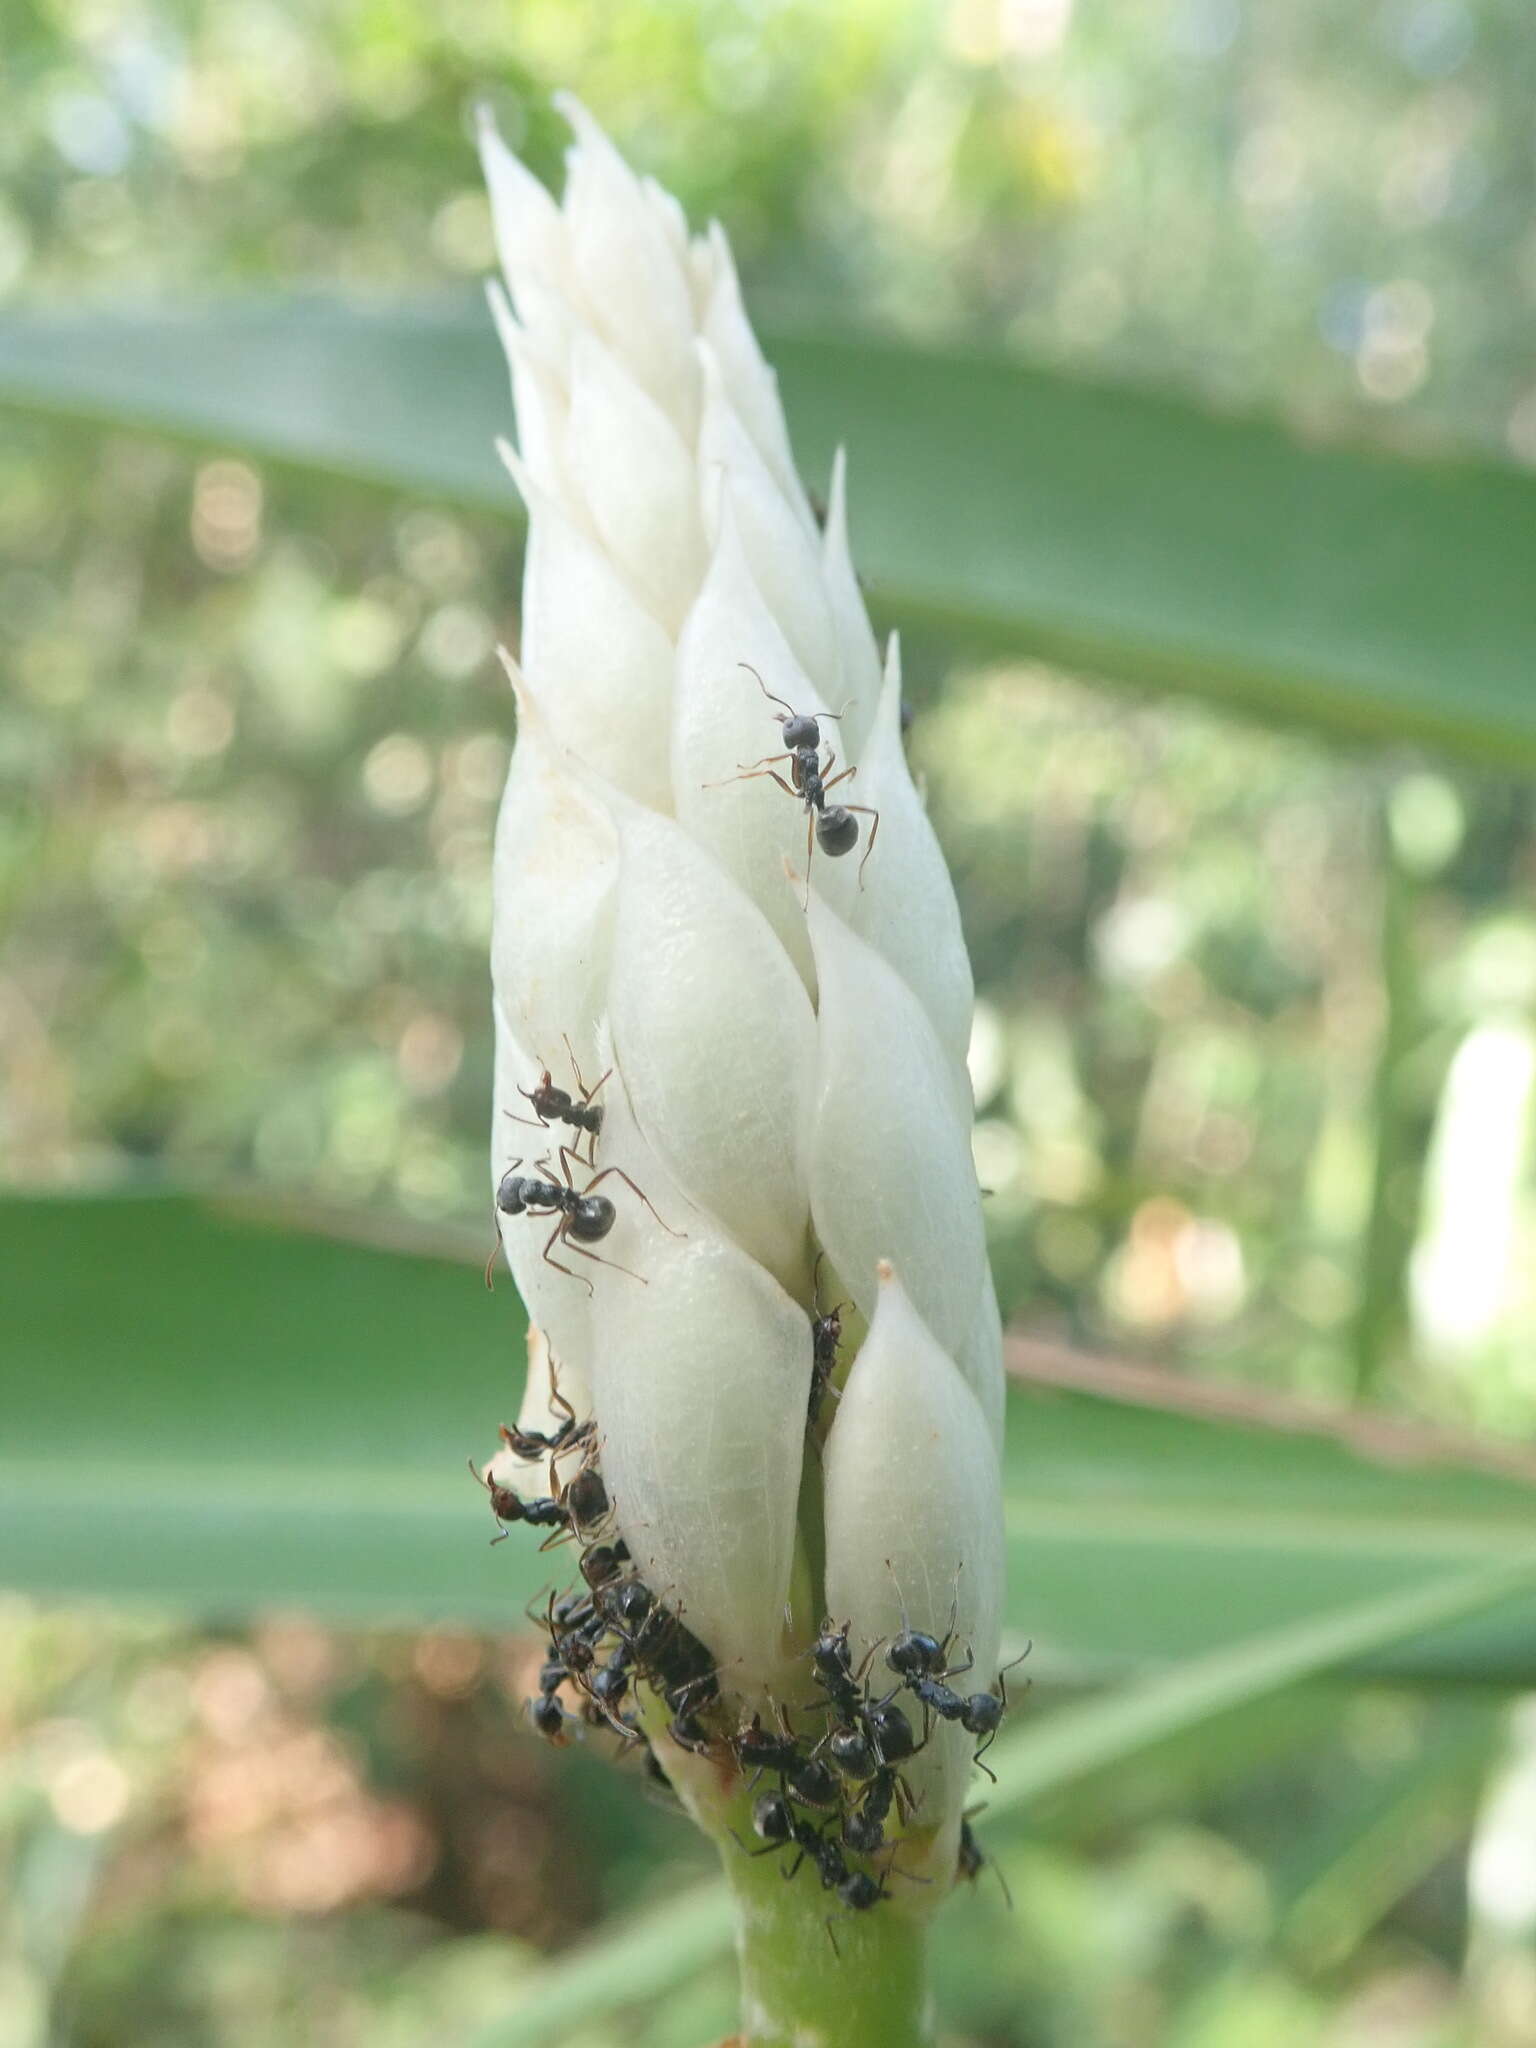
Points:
[(810, 826), (557, 1399), (847, 775), (873, 830), (580, 1251), (763, 761), (623, 1176), (567, 1154), (755, 775), (549, 1246), (751, 671), (586, 1092)]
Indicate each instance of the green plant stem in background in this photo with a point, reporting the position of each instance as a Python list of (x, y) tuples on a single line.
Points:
[(798, 1990)]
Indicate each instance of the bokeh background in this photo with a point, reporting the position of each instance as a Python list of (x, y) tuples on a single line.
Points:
[(1256, 1042)]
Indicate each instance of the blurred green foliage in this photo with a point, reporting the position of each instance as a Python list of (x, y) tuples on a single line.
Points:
[(1256, 1049)]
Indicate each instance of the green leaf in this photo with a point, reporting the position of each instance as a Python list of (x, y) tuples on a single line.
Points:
[(211, 1406), (1139, 536), (1045, 1757)]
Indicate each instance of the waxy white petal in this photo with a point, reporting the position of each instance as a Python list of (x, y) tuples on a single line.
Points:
[(753, 387), (904, 902), (980, 1359), (638, 480), (555, 870), (601, 664), (628, 270), (858, 656), (539, 395), (701, 1384), (889, 1157), (531, 241), (722, 719), (715, 1038), (914, 1522), (779, 543)]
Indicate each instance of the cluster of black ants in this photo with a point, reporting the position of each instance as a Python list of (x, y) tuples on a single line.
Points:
[(836, 1783), (835, 1786)]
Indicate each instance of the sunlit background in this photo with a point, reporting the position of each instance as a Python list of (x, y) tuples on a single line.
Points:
[(1255, 1047)]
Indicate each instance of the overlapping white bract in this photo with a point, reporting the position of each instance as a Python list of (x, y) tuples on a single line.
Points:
[(783, 1078)]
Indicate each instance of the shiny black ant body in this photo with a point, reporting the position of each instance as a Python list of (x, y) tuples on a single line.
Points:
[(832, 827), (979, 1713), (878, 1728), (583, 1218), (864, 1828), (509, 1507), (916, 1654), (536, 1443), (826, 1335), (552, 1105)]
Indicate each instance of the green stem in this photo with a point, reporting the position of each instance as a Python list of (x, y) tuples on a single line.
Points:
[(798, 1990)]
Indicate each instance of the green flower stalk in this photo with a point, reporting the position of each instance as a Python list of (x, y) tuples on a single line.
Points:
[(756, 1275)]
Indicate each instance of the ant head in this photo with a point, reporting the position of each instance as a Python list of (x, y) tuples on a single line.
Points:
[(800, 732), (509, 1195)]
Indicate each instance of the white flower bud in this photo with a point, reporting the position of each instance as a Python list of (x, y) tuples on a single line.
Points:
[(749, 1049)]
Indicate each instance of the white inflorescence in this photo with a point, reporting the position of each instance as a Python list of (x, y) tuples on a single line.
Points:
[(785, 1051)]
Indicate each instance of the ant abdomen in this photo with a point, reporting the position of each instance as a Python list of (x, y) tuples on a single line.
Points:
[(837, 831), (593, 1220)]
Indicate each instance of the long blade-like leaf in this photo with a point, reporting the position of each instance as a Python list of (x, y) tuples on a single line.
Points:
[(1139, 536), (207, 1407), (1060, 1751)]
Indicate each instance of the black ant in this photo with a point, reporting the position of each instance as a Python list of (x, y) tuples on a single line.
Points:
[(916, 1654), (583, 1218), (575, 1510), (509, 1507), (556, 1105), (972, 1860), (864, 1828), (834, 827), (979, 1713), (534, 1443), (826, 1335)]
